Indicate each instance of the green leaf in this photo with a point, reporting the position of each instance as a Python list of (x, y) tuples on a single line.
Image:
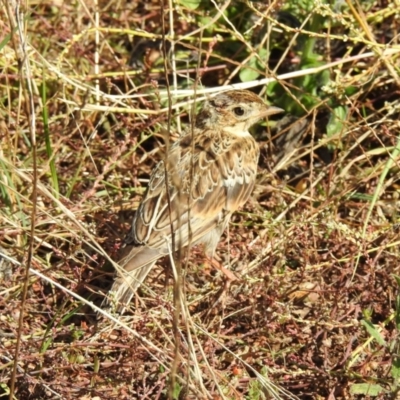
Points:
[(255, 391), (272, 88), (6, 39), (397, 278), (45, 345), (350, 90), (3, 385), (251, 70), (250, 73), (366, 389), (373, 332), (397, 307), (309, 100), (176, 391), (191, 4), (46, 131), (395, 371), (336, 121)]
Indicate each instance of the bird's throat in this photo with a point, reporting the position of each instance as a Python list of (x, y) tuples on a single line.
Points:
[(238, 130)]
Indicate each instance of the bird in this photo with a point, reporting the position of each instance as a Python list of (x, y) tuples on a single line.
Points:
[(207, 174)]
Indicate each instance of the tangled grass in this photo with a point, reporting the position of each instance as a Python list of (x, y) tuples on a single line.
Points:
[(88, 91)]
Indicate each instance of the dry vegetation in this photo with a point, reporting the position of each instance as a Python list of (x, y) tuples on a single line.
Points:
[(315, 312)]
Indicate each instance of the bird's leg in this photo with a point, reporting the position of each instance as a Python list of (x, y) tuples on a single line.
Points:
[(231, 277), (221, 295)]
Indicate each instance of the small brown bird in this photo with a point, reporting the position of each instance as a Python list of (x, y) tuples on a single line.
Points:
[(210, 172)]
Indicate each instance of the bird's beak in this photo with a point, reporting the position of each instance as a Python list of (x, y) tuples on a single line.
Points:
[(271, 110)]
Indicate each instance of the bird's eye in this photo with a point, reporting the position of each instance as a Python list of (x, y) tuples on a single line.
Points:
[(239, 111)]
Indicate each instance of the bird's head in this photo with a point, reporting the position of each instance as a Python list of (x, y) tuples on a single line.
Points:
[(234, 111)]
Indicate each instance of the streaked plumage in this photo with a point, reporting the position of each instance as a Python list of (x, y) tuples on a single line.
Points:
[(211, 173)]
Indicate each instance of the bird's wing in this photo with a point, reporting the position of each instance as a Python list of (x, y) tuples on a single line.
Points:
[(219, 176)]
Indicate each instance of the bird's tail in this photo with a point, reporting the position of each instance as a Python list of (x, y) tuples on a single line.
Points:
[(135, 264)]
